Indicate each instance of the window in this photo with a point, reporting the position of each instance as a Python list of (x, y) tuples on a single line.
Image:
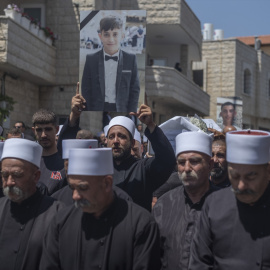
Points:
[(198, 77), (37, 11), (160, 62), (247, 81)]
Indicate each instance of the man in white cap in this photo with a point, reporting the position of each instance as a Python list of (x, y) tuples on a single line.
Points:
[(178, 210), (24, 213), (101, 231), (139, 177), (65, 194), (234, 229), (137, 149)]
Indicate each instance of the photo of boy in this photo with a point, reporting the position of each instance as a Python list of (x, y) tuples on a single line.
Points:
[(110, 80)]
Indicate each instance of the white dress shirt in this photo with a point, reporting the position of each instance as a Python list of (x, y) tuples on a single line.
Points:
[(110, 67)]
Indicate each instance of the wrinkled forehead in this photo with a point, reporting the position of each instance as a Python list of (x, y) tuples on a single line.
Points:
[(83, 179), (191, 154), (16, 162), (219, 143), (118, 128)]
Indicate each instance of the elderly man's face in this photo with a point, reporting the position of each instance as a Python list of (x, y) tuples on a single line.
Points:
[(119, 141), (227, 113), (219, 170), (193, 169), (90, 192), (19, 179), (249, 181), (45, 134)]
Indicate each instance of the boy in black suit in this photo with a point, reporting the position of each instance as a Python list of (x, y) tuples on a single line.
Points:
[(110, 77)]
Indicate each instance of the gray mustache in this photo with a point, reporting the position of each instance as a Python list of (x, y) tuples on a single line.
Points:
[(243, 192), (81, 203)]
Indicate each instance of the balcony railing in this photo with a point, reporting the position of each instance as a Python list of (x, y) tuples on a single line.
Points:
[(25, 54)]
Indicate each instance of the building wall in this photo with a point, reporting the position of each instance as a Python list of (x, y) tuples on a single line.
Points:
[(220, 72), (226, 61), (169, 52), (160, 12), (26, 96)]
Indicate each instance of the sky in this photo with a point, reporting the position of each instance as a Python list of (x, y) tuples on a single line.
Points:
[(236, 17)]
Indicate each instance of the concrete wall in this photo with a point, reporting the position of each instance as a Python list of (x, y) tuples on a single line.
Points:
[(170, 52), (161, 12)]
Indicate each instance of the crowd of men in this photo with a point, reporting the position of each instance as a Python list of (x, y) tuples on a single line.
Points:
[(82, 204)]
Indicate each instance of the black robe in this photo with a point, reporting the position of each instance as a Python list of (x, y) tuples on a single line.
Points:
[(232, 235), (141, 177), (22, 228), (177, 217), (138, 177), (125, 237)]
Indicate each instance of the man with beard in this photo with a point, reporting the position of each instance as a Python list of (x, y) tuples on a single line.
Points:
[(24, 213), (177, 211), (219, 174), (139, 177), (102, 231), (234, 229)]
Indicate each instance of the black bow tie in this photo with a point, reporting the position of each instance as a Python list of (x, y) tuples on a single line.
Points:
[(115, 58)]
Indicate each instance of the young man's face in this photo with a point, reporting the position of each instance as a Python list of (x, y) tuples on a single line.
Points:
[(111, 40), (227, 113), (45, 134)]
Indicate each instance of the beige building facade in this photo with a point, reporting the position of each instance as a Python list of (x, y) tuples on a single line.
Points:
[(39, 75), (236, 70)]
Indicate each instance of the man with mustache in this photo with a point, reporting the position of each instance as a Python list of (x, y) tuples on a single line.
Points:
[(139, 177), (102, 231), (24, 212), (234, 229), (178, 210), (219, 174)]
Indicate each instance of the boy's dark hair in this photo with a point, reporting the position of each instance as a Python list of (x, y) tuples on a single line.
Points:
[(44, 116), (110, 23), (228, 104)]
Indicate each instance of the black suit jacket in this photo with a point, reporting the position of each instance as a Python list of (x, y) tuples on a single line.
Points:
[(127, 82)]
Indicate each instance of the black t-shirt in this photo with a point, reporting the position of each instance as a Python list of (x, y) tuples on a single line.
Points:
[(53, 173), (54, 162)]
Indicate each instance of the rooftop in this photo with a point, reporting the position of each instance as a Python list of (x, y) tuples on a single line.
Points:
[(265, 39)]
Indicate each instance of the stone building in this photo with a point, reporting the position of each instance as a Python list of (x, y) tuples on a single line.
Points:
[(37, 74), (236, 70)]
